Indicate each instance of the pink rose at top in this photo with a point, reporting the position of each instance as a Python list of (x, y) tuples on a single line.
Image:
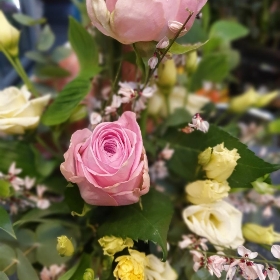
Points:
[(130, 21), (108, 164)]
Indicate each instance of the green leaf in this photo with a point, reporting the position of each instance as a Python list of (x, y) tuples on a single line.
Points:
[(7, 256), (213, 67), (61, 53), (4, 189), (26, 239), (36, 56), (46, 39), (228, 30), (5, 223), (203, 274), (188, 146), (27, 20), (73, 199), (180, 116), (47, 235), (151, 223), (51, 71), (25, 271), (77, 271), (85, 48), (18, 152), (181, 49), (3, 276), (66, 102)]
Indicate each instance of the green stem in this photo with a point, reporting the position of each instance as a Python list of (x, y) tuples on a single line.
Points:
[(168, 48), (20, 70)]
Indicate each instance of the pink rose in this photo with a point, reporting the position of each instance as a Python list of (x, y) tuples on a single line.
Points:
[(108, 164), (130, 21)]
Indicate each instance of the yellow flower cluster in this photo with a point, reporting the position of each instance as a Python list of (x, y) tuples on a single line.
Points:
[(211, 217), (136, 265)]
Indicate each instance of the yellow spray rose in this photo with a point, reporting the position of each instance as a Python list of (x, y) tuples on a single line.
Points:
[(219, 222), (64, 246), (207, 191), (111, 244), (259, 234), (131, 267), (17, 112), (9, 36), (220, 163)]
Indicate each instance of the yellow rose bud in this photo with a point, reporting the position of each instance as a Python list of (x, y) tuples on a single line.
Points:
[(241, 103), (89, 274), (261, 235), (221, 164), (64, 246), (9, 36), (207, 191), (111, 244), (265, 99), (167, 76), (191, 61), (204, 157), (131, 266)]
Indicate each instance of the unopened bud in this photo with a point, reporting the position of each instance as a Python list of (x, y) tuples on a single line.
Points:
[(167, 76), (260, 235), (89, 274), (191, 61), (163, 43), (153, 61), (9, 36), (64, 246)]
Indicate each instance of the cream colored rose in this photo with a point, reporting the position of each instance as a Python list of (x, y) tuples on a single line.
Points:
[(157, 270), (219, 222), (111, 244), (131, 266), (17, 112), (207, 191), (9, 36), (178, 98), (219, 164)]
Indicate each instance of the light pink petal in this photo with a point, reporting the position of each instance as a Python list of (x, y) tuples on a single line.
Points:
[(275, 250), (272, 273)]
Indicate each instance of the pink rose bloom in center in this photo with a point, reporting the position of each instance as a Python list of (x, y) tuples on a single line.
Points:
[(109, 164), (130, 21)]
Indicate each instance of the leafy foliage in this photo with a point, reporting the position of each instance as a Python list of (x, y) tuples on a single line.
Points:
[(5, 223), (150, 223)]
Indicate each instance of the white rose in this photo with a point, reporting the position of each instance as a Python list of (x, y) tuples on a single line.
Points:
[(206, 191), (157, 270), (17, 112), (219, 164), (219, 222)]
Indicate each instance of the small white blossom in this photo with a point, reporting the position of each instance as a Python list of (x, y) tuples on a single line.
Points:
[(163, 43), (51, 273), (95, 118), (175, 26), (153, 61), (127, 91), (29, 182), (148, 92), (167, 153), (199, 124), (158, 170), (116, 103)]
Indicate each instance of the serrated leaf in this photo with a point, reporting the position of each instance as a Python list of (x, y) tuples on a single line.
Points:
[(85, 48), (3, 276), (5, 223), (7, 256), (228, 30), (25, 271), (46, 39), (181, 49), (188, 146), (151, 223), (27, 20), (213, 67), (73, 199), (66, 102)]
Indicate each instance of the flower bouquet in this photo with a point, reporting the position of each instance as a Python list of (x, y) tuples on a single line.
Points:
[(115, 161)]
